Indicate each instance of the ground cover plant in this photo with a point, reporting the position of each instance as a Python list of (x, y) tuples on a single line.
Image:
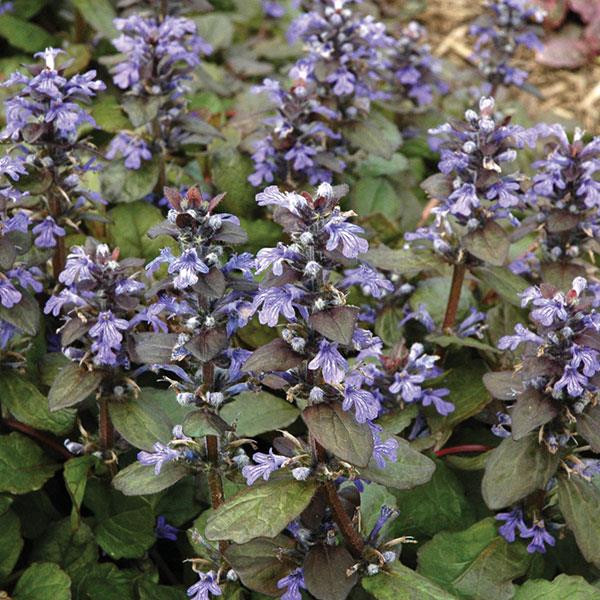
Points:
[(292, 308)]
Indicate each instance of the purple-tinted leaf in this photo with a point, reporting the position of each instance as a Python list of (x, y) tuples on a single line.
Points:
[(437, 186), (588, 426), (490, 244), (336, 324), (211, 285), (503, 385), (208, 344), (153, 348), (325, 572), (564, 52), (72, 385), (73, 330), (274, 356), (532, 410)]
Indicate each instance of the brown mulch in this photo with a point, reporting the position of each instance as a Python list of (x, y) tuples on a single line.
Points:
[(568, 96)]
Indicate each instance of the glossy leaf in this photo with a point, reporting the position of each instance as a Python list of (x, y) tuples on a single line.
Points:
[(140, 480), (72, 385), (43, 580)]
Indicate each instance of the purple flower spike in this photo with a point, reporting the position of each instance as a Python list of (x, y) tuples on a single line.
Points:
[(333, 367), (47, 231)]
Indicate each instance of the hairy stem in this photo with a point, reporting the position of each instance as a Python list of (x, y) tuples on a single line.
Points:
[(458, 277), (215, 484), (353, 538)]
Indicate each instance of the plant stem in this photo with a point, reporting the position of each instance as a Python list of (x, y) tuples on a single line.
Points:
[(353, 539), (39, 436), (107, 432), (215, 484), (461, 449), (60, 254), (458, 277)]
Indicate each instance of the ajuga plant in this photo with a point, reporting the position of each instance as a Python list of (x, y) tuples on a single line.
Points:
[(476, 191), (44, 118), (204, 297), (158, 56), (507, 25), (551, 414), (305, 490), (98, 301)]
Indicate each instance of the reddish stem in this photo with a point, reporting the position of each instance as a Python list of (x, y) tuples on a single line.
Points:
[(39, 436), (463, 448), (458, 276)]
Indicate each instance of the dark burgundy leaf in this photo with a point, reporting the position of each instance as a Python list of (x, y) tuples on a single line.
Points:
[(153, 348), (336, 324), (531, 411), (208, 344), (274, 356), (326, 572)]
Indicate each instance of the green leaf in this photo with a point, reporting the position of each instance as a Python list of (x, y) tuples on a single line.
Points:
[(28, 8), (563, 587), (230, 171), (24, 35), (23, 465), (434, 292), (129, 228), (106, 581), (43, 580), (579, 502), (338, 431), (489, 243), (410, 469), (468, 394), (108, 114), (25, 315), (588, 426), (100, 14), (503, 282), (372, 195), (127, 534), (11, 542), (261, 510), (398, 419), (502, 485), (216, 29), (140, 480), (121, 185), (372, 499), (531, 410), (452, 340), (148, 590), (30, 406), (376, 166), (402, 583), (476, 563), (72, 385), (74, 550), (326, 572), (202, 422), (254, 413), (404, 261), (140, 423), (375, 135), (438, 505), (261, 563), (75, 473)]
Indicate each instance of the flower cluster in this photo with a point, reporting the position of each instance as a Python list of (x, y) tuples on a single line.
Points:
[(302, 143), (401, 378), (344, 52), (47, 105), (559, 363), (415, 72), (45, 118), (499, 34), (321, 352), (565, 195), (99, 300), (158, 58), (475, 187)]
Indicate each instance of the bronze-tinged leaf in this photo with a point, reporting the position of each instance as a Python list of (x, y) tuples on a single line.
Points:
[(503, 385), (515, 469), (274, 356), (72, 385), (261, 510), (203, 422), (532, 410), (207, 344), (579, 502), (153, 348), (337, 324), (261, 563), (588, 426), (211, 285), (490, 244), (325, 572), (338, 431), (73, 330)]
